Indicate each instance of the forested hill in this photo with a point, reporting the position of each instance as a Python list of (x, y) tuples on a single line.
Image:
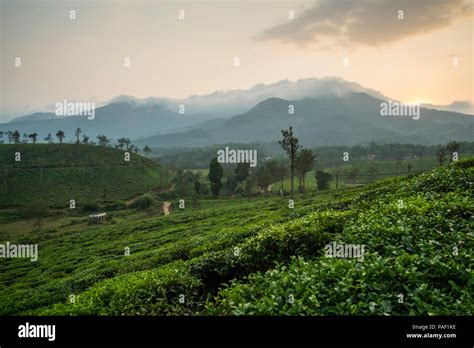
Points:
[(53, 174)]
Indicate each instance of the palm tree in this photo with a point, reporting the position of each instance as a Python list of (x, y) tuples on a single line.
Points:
[(33, 137), (103, 140), (60, 135), (124, 141), (121, 142)]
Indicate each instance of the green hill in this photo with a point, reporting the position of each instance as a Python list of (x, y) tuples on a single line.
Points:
[(241, 256), (53, 174)]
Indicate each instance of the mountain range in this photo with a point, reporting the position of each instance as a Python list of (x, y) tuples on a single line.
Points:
[(331, 120), (327, 111)]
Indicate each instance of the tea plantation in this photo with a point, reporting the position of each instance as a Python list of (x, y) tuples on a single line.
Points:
[(53, 174), (259, 257)]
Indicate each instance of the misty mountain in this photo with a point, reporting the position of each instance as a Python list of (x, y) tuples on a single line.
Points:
[(327, 111), (458, 106), (225, 104), (114, 120), (330, 120), (37, 116)]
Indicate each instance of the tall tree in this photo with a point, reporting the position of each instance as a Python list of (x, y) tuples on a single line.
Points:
[(77, 133), (60, 135), (25, 138), (215, 176), (85, 139), (289, 143), (304, 162), (16, 136), (33, 137)]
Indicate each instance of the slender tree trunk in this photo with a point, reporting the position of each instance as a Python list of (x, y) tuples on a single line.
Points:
[(292, 169)]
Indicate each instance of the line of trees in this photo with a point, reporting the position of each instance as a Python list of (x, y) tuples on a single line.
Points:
[(103, 140), (244, 180), (300, 162)]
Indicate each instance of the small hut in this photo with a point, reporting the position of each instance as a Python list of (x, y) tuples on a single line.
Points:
[(97, 218)]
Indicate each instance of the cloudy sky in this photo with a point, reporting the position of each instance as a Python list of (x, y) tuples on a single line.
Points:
[(412, 59)]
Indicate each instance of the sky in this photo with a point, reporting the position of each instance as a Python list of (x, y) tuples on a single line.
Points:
[(423, 54)]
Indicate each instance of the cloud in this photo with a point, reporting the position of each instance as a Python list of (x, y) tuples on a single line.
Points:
[(367, 22)]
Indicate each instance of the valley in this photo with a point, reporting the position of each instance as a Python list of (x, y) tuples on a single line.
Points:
[(142, 262)]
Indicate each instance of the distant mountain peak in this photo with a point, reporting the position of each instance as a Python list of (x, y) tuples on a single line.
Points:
[(462, 106)]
